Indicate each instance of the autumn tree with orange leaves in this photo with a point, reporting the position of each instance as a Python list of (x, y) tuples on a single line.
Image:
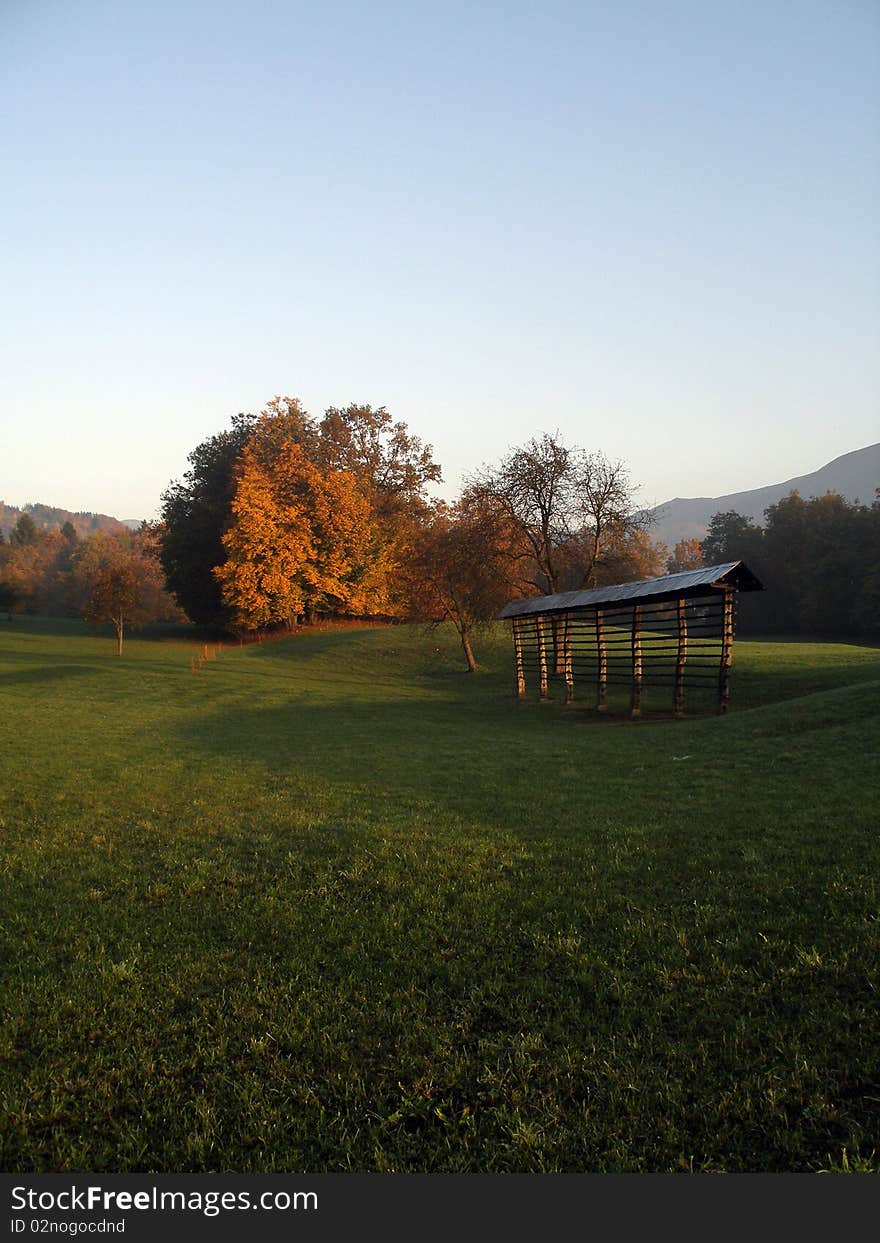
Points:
[(245, 501), (686, 555), (301, 541), (118, 579), (461, 568)]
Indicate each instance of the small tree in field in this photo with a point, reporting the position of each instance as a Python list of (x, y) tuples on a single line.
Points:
[(118, 579), (460, 569), (113, 598)]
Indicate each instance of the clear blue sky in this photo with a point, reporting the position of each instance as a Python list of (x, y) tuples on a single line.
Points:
[(654, 227)]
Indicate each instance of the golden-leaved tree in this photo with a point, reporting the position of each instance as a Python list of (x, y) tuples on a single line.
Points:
[(393, 468), (272, 578), (301, 542)]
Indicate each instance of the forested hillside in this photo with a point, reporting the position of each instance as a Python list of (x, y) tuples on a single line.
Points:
[(50, 518)]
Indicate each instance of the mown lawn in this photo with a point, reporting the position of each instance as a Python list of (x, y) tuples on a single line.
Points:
[(331, 904)]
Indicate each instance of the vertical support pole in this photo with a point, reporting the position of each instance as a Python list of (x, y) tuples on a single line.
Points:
[(518, 656), (726, 650), (566, 658), (542, 654), (556, 623), (635, 709), (601, 662), (681, 658)]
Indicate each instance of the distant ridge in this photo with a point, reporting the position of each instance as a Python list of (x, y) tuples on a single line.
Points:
[(48, 517), (854, 475)]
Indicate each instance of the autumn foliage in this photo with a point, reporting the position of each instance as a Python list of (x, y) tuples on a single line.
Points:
[(686, 555), (107, 577), (301, 542), (118, 580), (460, 568), (286, 517)]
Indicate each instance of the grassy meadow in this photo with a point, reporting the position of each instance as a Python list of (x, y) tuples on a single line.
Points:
[(332, 904)]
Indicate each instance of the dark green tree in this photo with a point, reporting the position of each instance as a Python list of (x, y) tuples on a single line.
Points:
[(819, 561), (195, 516), (24, 533), (8, 597), (822, 555), (731, 536), (866, 602)]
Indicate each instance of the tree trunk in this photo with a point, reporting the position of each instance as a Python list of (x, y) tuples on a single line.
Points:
[(468, 651), (591, 581), (119, 623)]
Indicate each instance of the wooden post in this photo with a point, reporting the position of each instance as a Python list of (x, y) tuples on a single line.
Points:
[(542, 654), (635, 709), (726, 650), (566, 659), (518, 654), (681, 658), (557, 639), (601, 662)]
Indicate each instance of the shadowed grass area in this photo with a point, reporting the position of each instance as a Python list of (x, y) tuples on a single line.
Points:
[(333, 904)]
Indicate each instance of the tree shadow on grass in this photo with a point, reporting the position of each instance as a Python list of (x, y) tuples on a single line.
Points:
[(26, 625), (516, 765), (59, 672)]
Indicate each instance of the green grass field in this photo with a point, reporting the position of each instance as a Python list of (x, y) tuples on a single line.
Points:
[(331, 904)]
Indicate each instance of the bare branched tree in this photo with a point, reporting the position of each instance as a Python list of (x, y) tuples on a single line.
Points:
[(566, 507)]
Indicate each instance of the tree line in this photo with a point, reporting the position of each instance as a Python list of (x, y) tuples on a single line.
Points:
[(83, 522), (283, 518), (107, 576), (819, 560)]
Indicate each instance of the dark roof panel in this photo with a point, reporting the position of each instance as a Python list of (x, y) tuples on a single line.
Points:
[(735, 574)]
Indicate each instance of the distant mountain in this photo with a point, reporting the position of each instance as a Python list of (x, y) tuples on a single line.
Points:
[(48, 516), (855, 476)]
